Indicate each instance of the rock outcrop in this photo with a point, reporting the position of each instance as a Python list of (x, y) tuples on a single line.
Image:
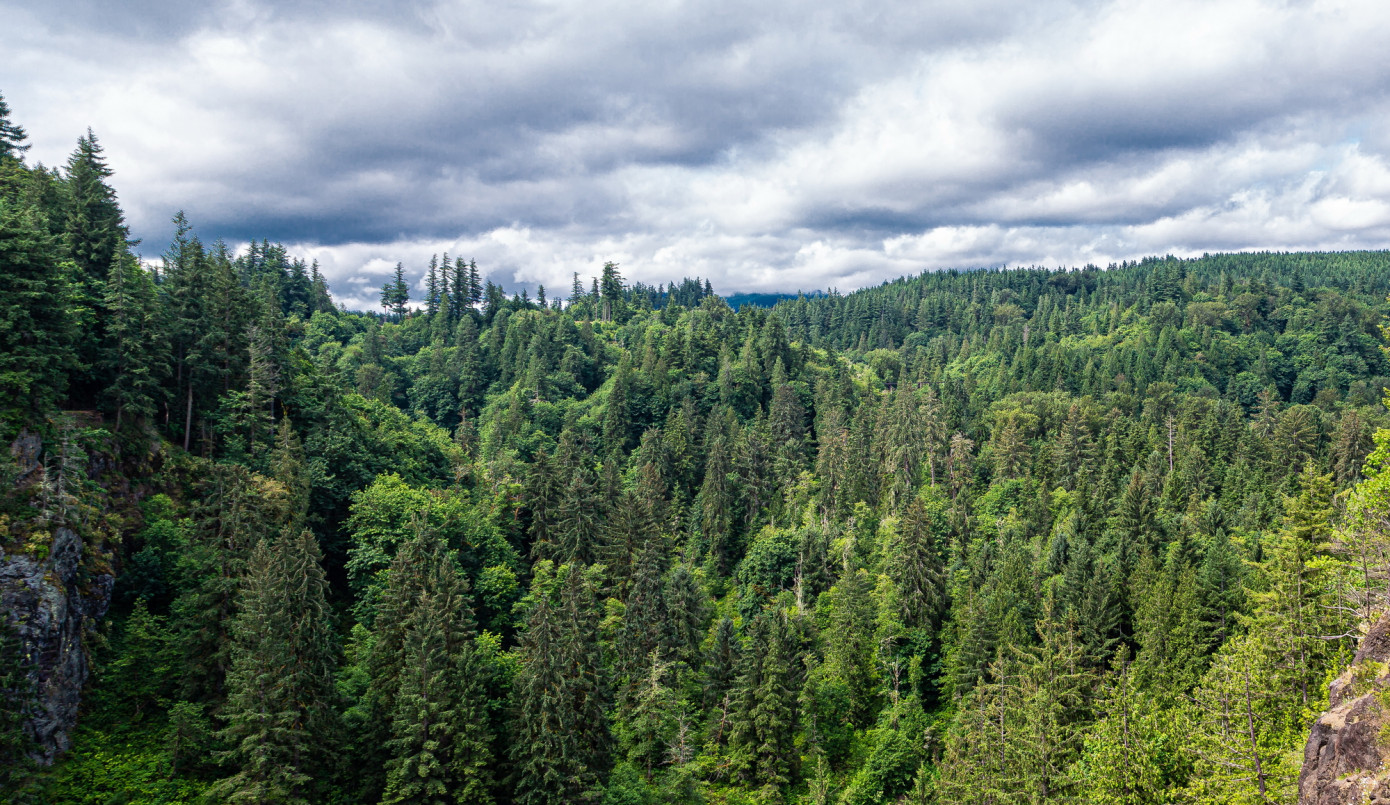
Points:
[(51, 594), (1344, 762)]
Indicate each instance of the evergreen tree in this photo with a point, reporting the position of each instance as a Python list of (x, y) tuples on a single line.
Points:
[(395, 294), (280, 720), (136, 348), (12, 136), (915, 566), (1241, 735), (1294, 612), (716, 500), (95, 226), (440, 744), (561, 738), (1129, 758), (16, 695), (763, 711), (35, 325)]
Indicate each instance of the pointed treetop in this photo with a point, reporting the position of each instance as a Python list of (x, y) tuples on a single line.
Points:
[(12, 137)]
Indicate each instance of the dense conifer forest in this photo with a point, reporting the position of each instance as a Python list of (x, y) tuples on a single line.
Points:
[(1004, 536)]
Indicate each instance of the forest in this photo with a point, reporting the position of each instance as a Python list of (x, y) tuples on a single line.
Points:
[(1096, 535)]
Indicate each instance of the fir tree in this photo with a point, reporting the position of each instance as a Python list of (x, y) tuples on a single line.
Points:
[(561, 738), (95, 226), (280, 720), (136, 348), (915, 566), (35, 325), (440, 744), (762, 713)]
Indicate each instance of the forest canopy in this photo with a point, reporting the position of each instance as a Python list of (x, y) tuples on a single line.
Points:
[(1024, 535)]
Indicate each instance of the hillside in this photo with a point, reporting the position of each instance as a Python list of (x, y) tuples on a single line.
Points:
[(1095, 535)]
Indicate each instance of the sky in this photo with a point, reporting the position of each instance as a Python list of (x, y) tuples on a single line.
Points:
[(769, 146)]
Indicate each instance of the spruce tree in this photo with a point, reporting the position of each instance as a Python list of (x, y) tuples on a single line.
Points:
[(722, 663), (763, 708), (915, 566), (1129, 758), (717, 500), (16, 701), (1241, 729), (1295, 609), (645, 613)]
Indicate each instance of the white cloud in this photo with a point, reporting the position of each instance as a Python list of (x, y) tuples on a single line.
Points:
[(768, 147)]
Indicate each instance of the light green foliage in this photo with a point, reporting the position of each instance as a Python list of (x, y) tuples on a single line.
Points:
[(1134, 753), (894, 544), (387, 513), (1242, 729)]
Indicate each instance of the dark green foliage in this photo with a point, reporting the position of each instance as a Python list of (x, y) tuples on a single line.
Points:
[(561, 735), (36, 328), (95, 226), (279, 713), (1000, 536), (762, 714), (440, 746), (12, 135)]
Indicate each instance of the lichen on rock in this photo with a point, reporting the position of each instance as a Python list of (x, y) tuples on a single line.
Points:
[(1344, 760), (49, 600)]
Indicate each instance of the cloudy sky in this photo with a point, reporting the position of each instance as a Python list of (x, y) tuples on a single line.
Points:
[(767, 146)]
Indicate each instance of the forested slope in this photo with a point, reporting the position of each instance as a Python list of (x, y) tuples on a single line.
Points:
[(990, 536)]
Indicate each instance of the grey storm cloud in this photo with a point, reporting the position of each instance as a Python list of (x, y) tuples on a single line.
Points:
[(767, 146)]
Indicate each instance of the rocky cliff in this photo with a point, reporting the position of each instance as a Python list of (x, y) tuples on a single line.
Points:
[(1343, 763), (53, 590)]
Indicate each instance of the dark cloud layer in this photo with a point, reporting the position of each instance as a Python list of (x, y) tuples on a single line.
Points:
[(774, 145)]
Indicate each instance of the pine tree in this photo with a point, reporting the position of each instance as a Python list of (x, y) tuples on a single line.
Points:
[(279, 712)]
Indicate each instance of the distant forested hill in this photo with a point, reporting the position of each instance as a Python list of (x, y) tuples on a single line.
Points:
[(738, 300), (1094, 535)]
